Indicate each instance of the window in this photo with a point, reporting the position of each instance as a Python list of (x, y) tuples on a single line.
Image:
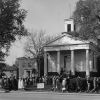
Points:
[(69, 27)]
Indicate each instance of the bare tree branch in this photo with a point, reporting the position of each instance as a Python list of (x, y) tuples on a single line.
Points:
[(36, 41)]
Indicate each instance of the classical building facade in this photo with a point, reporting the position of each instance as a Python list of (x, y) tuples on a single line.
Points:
[(71, 54)]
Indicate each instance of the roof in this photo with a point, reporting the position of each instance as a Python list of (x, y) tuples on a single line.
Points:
[(65, 39), (70, 19), (25, 58), (8, 68)]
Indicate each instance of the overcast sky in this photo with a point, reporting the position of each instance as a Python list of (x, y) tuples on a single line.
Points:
[(47, 15)]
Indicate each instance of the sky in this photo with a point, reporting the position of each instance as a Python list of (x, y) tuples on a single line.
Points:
[(45, 15)]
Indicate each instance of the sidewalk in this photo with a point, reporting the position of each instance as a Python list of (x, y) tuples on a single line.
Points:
[(57, 93), (51, 93)]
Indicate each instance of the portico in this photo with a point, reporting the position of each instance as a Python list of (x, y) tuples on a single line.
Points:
[(70, 54)]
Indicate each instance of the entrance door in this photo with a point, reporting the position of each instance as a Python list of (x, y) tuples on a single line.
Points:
[(28, 73), (67, 63)]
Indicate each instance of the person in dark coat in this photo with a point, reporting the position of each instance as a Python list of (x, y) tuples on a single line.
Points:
[(15, 83), (68, 83), (98, 85), (11, 84), (7, 85), (2, 82), (79, 82)]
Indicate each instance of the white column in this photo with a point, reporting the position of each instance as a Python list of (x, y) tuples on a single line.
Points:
[(87, 63), (45, 63), (72, 63), (58, 62)]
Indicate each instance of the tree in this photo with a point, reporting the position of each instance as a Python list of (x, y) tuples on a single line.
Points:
[(11, 23), (87, 19), (34, 45)]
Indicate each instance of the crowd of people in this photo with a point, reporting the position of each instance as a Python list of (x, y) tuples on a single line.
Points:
[(9, 83), (75, 84), (13, 83), (63, 83)]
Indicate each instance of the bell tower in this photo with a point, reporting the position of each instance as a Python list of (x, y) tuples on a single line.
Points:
[(69, 25)]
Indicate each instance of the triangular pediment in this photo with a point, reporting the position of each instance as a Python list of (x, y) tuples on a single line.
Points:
[(66, 39)]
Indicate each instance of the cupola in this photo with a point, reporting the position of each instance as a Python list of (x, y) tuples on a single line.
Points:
[(69, 25)]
